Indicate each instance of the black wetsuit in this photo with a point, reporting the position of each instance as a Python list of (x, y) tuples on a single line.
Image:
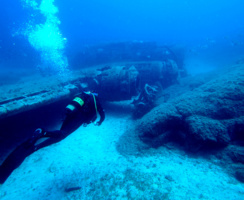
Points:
[(82, 110)]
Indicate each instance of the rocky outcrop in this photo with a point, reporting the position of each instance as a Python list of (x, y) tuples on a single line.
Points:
[(209, 116)]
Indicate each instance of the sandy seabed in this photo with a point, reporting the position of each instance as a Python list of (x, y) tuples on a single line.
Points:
[(87, 165)]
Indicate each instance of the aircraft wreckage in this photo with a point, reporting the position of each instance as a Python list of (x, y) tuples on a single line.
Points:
[(114, 81)]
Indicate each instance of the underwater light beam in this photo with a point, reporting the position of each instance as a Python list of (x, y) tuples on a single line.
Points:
[(46, 37)]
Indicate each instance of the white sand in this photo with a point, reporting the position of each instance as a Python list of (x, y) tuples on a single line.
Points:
[(88, 158)]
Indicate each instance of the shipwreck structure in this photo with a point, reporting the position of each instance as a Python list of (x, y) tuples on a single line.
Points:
[(118, 72)]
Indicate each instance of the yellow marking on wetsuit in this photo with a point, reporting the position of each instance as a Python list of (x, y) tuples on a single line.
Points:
[(79, 101), (71, 107)]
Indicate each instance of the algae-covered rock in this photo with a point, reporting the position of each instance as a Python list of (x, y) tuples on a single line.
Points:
[(207, 131), (204, 117), (159, 120)]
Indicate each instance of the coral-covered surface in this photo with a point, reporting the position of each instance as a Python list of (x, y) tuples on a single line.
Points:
[(209, 117), (208, 114)]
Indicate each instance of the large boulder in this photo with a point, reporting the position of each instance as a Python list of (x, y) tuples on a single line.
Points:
[(209, 116), (204, 131)]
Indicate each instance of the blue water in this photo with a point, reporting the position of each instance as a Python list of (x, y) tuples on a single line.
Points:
[(208, 30), (49, 34)]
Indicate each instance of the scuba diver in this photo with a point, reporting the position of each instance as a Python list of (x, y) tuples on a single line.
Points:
[(82, 110)]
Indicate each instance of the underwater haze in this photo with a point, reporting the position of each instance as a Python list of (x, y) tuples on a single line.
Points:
[(37, 33), (122, 99)]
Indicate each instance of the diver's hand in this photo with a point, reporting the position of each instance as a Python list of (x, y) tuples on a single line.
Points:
[(97, 123)]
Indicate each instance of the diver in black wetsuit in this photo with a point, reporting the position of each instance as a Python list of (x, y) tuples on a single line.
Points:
[(83, 109)]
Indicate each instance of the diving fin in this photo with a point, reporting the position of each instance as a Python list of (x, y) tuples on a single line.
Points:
[(14, 160)]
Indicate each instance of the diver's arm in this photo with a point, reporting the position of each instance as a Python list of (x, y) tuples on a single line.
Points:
[(101, 113), (102, 116)]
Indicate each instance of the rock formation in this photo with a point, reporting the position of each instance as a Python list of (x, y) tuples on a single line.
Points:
[(209, 117)]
